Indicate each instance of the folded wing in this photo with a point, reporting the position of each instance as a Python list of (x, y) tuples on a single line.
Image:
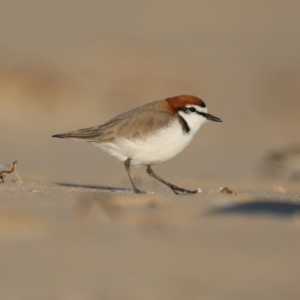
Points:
[(138, 123)]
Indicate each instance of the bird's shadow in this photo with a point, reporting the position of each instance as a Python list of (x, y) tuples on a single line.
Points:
[(261, 207), (94, 187)]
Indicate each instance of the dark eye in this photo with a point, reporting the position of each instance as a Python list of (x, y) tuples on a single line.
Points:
[(192, 109)]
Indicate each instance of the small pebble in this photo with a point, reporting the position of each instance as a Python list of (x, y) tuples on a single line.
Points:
[(226, 190)]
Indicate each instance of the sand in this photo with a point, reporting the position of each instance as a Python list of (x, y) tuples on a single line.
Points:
[(74, 230), (73, 242)]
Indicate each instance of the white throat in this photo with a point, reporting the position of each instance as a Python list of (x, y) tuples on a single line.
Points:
[(193, 120)]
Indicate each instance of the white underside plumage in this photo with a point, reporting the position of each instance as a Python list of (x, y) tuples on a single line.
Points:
[(159, 147)]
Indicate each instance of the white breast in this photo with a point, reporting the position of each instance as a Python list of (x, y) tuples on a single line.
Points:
[(159, 147)]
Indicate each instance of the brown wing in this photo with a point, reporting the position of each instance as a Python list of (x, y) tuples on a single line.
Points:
[(137, 123)]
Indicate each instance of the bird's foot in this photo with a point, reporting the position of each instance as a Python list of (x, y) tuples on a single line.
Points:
[(176, 190), (137, 191)]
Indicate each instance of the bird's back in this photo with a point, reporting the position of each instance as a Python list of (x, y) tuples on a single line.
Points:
[(137, 123)]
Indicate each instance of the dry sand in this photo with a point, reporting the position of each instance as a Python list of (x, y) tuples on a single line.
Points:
[(61, 241), (74, 230)]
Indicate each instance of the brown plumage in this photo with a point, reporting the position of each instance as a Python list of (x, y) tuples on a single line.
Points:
[(136, 123), (177, 103)]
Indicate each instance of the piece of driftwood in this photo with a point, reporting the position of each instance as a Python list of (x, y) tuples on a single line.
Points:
[(13, 170)]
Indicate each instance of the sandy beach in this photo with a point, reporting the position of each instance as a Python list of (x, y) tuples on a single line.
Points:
[(73, 242), (74, 229)]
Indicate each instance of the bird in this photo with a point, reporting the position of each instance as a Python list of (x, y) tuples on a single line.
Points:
[(149, 134)]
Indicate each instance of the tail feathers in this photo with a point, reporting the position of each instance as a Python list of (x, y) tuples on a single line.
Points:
[(61, 136), (86, 134), (77, 136)]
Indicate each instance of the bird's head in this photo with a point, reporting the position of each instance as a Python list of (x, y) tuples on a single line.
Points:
[(192, 110)]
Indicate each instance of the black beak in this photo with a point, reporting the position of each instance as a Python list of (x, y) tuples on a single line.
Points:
[(212, 118)]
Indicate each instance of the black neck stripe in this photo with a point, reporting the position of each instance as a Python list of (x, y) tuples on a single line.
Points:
[(185, 126)]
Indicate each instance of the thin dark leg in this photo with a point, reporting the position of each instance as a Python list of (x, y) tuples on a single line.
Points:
[(127, 167), (174, 188)]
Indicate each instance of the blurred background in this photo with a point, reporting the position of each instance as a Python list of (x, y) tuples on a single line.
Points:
[(66, 65)]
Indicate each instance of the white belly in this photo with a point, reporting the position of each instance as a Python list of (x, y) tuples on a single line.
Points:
[(154, 149)]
